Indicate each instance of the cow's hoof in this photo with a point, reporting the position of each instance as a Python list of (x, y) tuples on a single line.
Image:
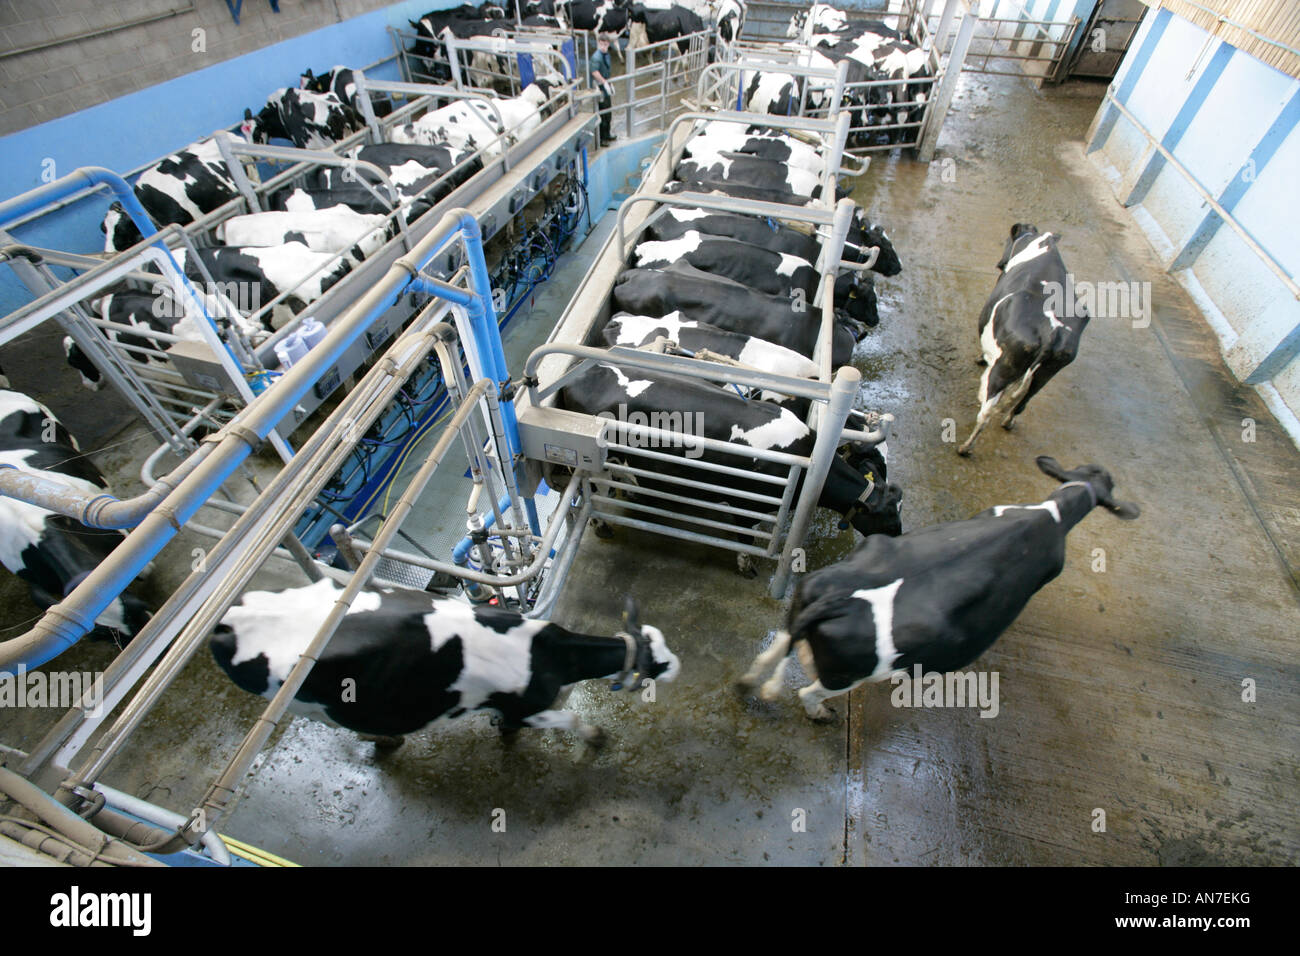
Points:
[(745, 567), (742, 687), (385, 743), (964, 451), (602, 530), (596, 739), (1009, 424), (823, 715)]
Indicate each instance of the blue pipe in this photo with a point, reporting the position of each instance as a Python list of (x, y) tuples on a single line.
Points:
[(88, 177), (75, 616)]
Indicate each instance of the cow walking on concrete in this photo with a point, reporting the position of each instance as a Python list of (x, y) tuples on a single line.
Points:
[(401, 660), (1023, 339), (938, 597)]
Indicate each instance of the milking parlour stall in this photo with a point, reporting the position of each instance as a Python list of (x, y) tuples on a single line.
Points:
[(561, 434)]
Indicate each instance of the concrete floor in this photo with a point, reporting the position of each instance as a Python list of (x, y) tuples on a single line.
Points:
[(1120, 690)]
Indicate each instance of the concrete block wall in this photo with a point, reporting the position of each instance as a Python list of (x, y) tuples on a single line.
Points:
[(81, 52)]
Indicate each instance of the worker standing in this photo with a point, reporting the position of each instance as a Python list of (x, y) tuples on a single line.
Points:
[(600, 72)]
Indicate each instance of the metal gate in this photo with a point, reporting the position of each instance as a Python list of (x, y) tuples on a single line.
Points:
[(1101, 45), (1017, 45)]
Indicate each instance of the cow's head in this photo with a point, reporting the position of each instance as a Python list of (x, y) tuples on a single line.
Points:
[(653, 659), (266, 124), (855, 293), (864, 235), (120, 231), (856, 488), (1096, 478), (123, 619), (1021, 234)]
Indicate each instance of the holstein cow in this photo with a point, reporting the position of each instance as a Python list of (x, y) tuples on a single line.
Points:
[(700, 340), (154, 311), (753, 266), (306, 119), (411, 167), (1024, 342), (334, 230), (749, 177), (854, 486), (470, 125), (179, 188), (341, 82), (53, 553), (713, 140), (938, 597), (401, 660), (727, 305)]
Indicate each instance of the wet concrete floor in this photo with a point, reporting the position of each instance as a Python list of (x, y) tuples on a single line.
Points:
[(1120, 690)]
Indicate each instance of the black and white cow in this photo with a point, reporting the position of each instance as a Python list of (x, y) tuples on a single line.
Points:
[(753, 266), (306, 119), (779, 237), (715, 139), (334, 230), (1024, 342), (937, 597), (728, 305), (53, 553), (470, 125), (341, 81), (401, 660), (412, 168), (650, 26), (855, 486), (606, 16), (750, 177), (153, 311), (179, 188)]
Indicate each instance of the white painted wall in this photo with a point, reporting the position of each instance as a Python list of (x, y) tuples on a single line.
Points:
[(1250, 307)]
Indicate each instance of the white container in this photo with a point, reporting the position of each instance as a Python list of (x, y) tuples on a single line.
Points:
[(290, 350), (311, 332)]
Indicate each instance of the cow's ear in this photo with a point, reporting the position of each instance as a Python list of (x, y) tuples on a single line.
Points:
[(1051, 467), (248, 114)]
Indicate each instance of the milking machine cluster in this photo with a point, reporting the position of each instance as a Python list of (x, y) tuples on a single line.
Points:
[(526, 256)]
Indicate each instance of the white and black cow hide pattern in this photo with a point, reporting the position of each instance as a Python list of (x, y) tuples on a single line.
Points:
[(471, 125), (50, 552), (748, 177), (401, 660), (341, 81), (937, 597), (179, 188), (308, 120), (728, 305), (411, 167), (335, 230), (855, 486), (1024, 343)]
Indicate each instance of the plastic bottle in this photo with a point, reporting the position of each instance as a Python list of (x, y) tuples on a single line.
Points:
[(290, 349)]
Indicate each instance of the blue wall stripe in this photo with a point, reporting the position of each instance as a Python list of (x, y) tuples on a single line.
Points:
[(1280, 129), (1277, 133), (1191, 106), (1143, 56)]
